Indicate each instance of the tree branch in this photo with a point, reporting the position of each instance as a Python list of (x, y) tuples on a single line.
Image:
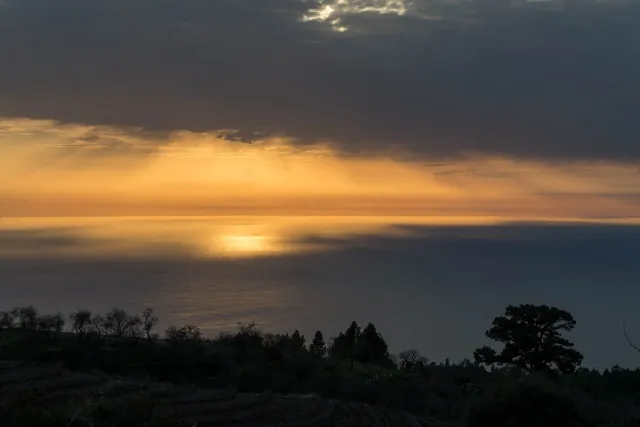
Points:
[(624, 330)]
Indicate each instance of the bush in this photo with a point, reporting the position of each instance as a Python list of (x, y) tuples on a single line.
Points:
[(26, 409), (530, 402), (132, 411)]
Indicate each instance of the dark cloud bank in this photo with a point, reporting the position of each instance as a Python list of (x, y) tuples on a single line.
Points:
[(542, 79)]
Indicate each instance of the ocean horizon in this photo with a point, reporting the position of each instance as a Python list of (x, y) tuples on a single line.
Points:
[(430, 283)]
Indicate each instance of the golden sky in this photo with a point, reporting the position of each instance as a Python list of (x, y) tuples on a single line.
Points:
[(53, 169)]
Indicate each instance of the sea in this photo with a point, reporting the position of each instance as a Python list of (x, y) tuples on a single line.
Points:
[(430, 283)]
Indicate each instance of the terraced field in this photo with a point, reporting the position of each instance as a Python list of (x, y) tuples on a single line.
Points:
[(191, 407)]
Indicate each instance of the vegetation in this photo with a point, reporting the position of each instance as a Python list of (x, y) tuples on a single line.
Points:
[(534, 380), (532, 339), (58, 398)]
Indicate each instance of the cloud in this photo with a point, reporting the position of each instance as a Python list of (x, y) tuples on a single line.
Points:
[(74, 239), (20, 240), (432, 78), (76, 169), (333, 11)]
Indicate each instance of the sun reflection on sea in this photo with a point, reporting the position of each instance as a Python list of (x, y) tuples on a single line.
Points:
[(238, 245), (253, 240), (189, 238)]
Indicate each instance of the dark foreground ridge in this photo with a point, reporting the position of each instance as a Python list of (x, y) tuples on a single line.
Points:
[(113, 370), (57, 397)]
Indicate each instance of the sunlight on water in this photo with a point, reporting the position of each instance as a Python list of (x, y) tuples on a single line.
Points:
[(242, 244), (309, 273), (158, 237), (205, 237)]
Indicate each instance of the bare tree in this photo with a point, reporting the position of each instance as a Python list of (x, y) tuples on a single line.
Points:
[(58, 321), (186, 333), (51, 325), (410, 358), (250, 330), (173, 333), (81, 321), (193, 332), (149, 321), (133, 327), (98, 326), (117, 322)]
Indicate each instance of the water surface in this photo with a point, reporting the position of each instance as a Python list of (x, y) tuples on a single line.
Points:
[(430, 283)]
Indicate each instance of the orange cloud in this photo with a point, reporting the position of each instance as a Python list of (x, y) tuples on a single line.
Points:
[(47, 168)]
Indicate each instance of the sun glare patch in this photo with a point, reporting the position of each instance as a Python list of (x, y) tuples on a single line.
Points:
[(333, 11)]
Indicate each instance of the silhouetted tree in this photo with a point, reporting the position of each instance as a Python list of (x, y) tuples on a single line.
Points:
[(27, 316), (81, 321), (43, 323), (98, 326), (46, 323), (297, 341), (281, 347), (371, 347), (51, 325), (317, 346), (410, 358), (248, 342), (271, 340), (117, 322), (532, 339), (344, 345), (173, 333), (134, 327), (249, 330), (624, 331), (149, 321), (192, 332), (6, 319), (59, 322), (185, 333)]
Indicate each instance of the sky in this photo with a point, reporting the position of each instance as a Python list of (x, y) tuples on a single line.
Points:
[(342, 107), (468, 112)]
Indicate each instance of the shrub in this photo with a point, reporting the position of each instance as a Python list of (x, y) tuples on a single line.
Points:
[(132, 411), (26, 409), (530, 402)]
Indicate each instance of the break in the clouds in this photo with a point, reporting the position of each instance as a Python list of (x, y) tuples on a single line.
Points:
[(333, 11), (543, 79), (75, 170)]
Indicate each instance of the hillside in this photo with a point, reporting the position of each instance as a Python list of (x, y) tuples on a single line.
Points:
[(48, 395)]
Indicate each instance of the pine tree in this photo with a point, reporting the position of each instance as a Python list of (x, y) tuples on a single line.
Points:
[(297, 341), (344, 345), (317, 346), (533, 341), (371, 347)]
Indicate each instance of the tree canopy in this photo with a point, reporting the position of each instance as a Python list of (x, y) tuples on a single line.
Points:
[(363, 346), (532, 337), (318, 346)]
